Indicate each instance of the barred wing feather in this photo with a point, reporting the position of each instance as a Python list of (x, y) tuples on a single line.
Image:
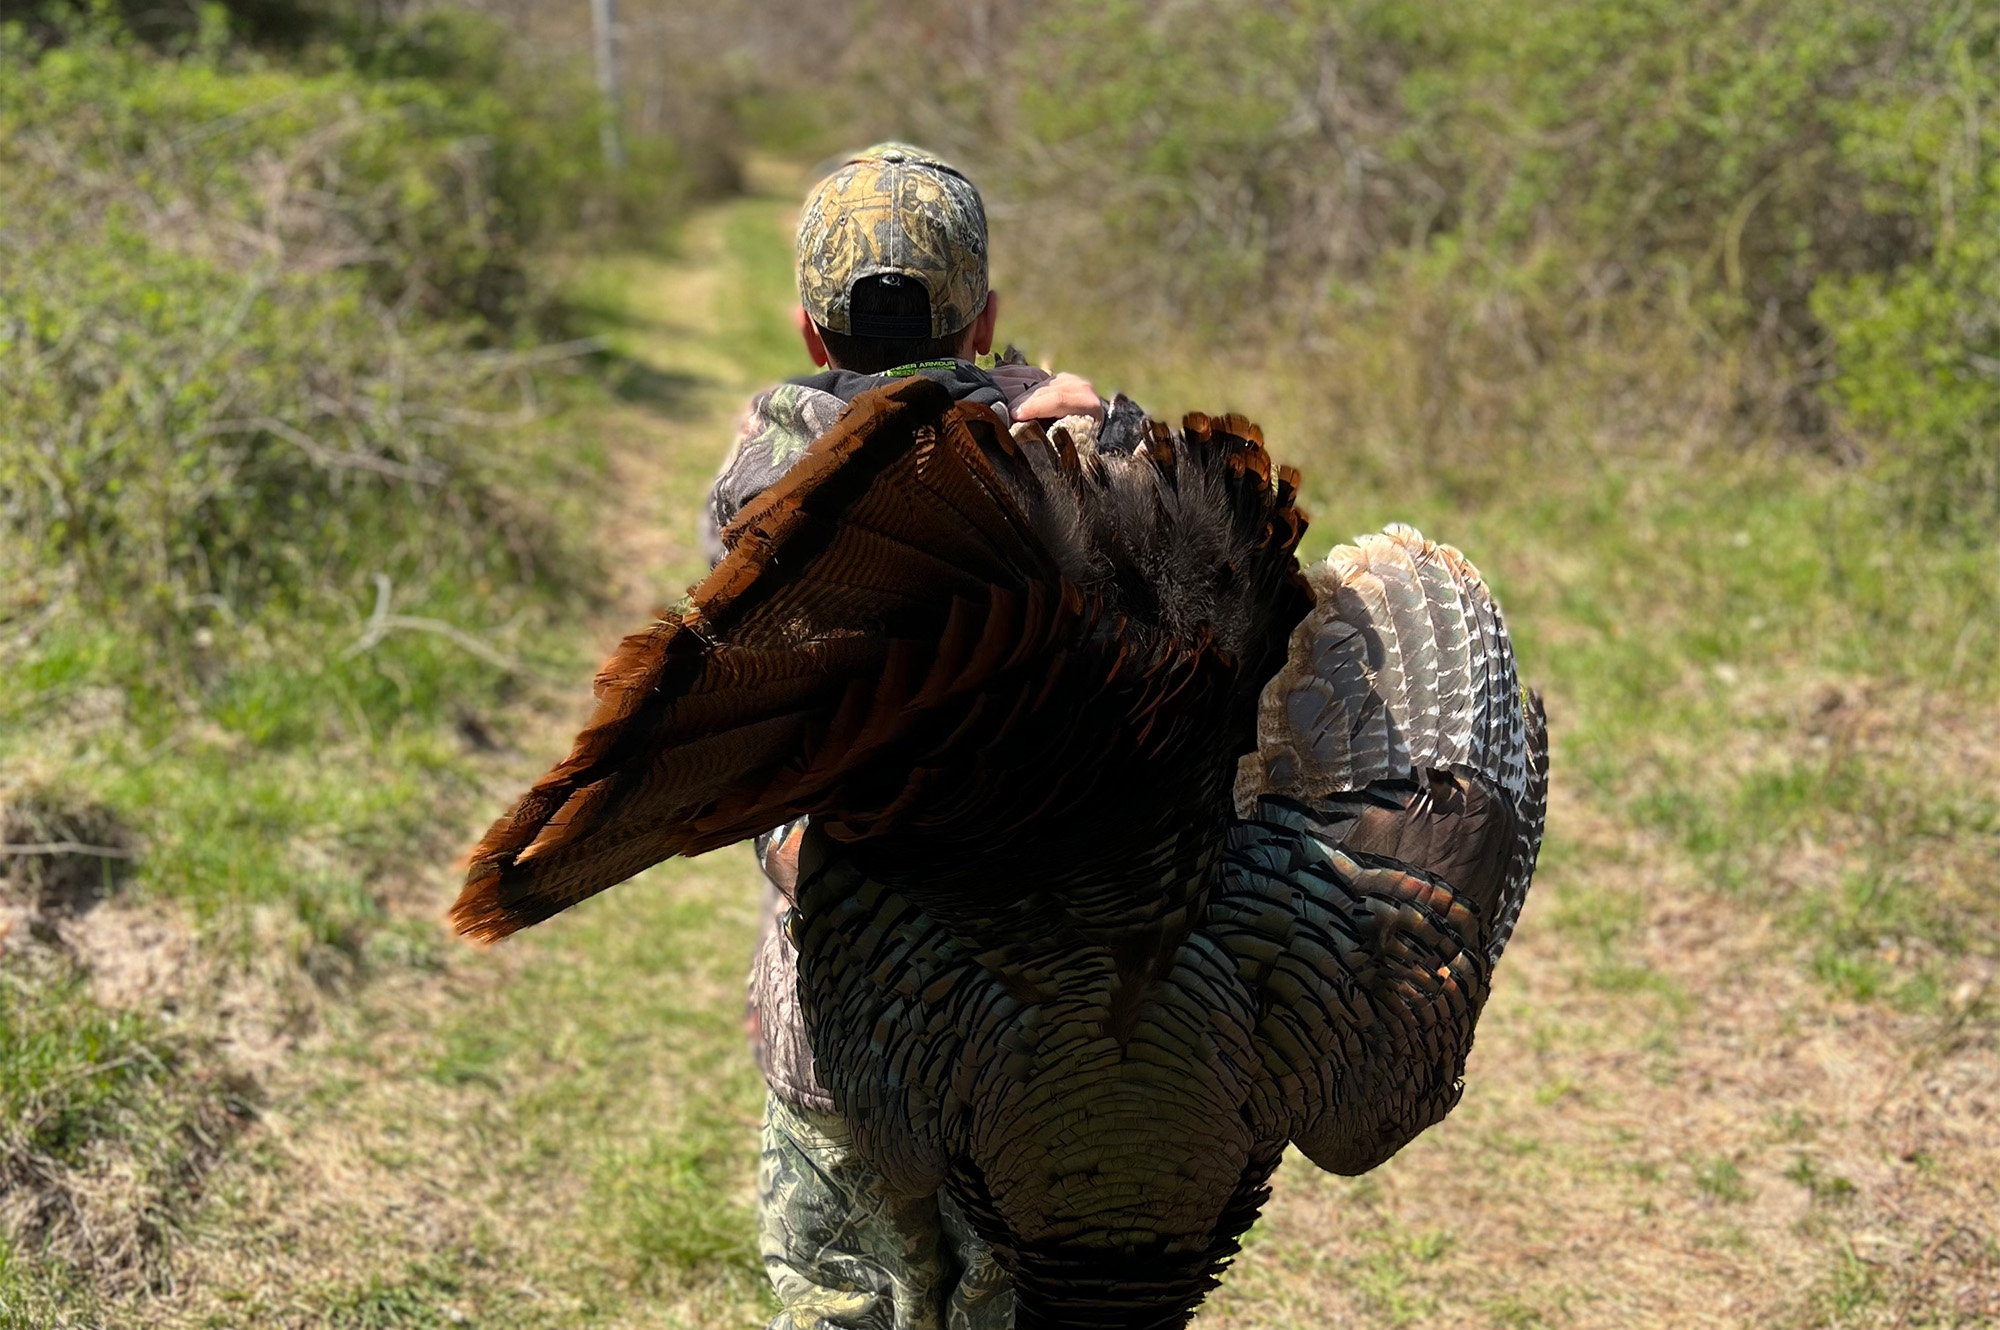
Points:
[(1400, 697), (1389, 822)]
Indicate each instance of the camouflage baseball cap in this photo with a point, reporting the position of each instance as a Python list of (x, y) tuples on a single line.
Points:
[(894, 209)]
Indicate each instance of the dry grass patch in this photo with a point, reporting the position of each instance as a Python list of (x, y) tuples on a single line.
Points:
[(1668, 1122), (547, 1134)]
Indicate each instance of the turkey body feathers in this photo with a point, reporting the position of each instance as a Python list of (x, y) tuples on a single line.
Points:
[(1040, 963), (1324, 991)]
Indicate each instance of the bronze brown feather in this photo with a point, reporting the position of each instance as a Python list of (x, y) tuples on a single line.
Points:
[(1044, 959), (918, 601)]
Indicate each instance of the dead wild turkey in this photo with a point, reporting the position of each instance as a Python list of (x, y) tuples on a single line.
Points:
[(1063, 948)]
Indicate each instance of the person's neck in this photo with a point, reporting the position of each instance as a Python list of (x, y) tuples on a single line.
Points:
[(940, 362)]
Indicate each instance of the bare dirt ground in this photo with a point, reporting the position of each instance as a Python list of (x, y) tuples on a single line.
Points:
[(1667, 1122)]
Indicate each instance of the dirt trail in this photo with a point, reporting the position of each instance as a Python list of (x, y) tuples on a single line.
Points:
[(559, 1131), (1666, 1122)]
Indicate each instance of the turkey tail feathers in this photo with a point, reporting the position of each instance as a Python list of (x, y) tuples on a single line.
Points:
[(1400, 684), (909, 631), (680, 727), (1531, 815)]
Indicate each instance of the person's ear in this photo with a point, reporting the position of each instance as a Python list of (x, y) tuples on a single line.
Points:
[(984, 326), (815, 344)]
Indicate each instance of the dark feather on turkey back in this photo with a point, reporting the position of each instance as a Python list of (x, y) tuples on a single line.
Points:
[(1051, 954), (929, 629)]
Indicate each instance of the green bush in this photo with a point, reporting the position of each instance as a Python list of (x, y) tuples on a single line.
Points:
[(288, 492), (430, 160), (1917, 348), (190, 445), (1800, 195), (253, 337), (1649, 142)]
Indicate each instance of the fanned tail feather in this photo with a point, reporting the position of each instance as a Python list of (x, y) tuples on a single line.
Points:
[(907, 631)]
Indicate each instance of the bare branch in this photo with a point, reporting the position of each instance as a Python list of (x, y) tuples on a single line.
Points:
[(67, 847), (381, 623)]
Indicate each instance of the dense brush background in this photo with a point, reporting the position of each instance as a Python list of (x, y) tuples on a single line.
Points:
[(1682, 317)]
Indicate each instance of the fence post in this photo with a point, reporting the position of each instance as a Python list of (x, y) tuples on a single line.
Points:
[(604, 27)]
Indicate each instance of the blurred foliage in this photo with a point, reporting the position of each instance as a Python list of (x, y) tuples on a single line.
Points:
[(1801, 194), (430, 158), (1917, 346), (266, 335)]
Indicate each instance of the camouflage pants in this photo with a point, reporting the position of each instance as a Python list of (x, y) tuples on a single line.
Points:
[(843, 1255)]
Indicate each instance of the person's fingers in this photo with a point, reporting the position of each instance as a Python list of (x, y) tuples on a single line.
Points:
[(1063, 395)]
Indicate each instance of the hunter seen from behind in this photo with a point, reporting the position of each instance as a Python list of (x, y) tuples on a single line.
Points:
[(365, 370)]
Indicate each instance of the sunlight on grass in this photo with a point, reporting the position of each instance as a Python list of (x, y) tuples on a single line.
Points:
[(1764, 915)]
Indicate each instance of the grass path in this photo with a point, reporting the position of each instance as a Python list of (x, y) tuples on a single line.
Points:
[(1667, 1121), (559, 1131)]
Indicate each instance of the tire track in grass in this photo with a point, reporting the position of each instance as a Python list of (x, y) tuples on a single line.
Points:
[(560, 1131)]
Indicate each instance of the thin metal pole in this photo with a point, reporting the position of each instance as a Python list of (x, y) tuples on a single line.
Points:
[(604, 27)]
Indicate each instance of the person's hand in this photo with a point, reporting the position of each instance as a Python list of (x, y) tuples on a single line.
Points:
[(1062, 395)]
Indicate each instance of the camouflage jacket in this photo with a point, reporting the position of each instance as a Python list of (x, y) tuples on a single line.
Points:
[(776, 428), (781, 421)]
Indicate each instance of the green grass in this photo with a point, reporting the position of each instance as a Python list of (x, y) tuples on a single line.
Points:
[(1759, 659), (575, 1128), (420, 1301), (1392, 1279), (275, 824), (1825, 1188), (75, 1073), (284, 530), (1849, 1289), (103, 1128), (754, 336), (289, 540), (1718, 1178), (596, 1110)]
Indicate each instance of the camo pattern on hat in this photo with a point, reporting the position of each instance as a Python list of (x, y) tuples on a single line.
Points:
[(894, 209)]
